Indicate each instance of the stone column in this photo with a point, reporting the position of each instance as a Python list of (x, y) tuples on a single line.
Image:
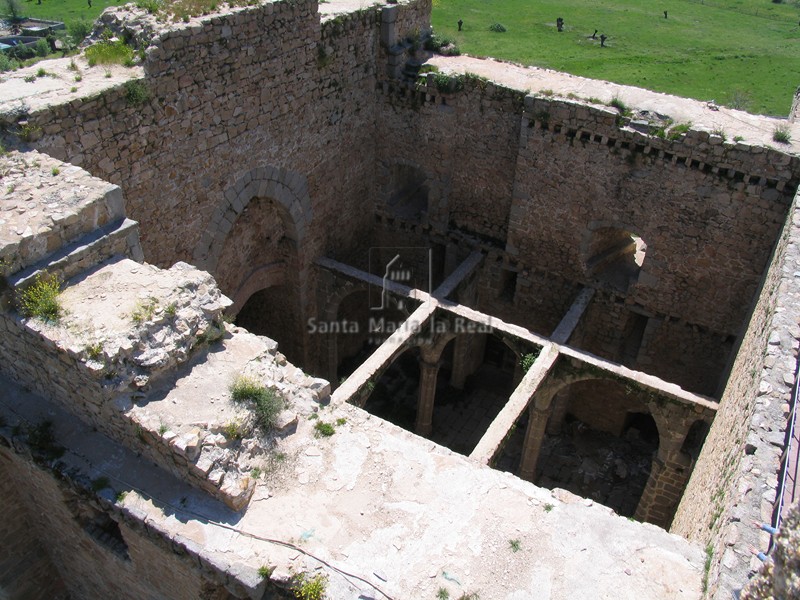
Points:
[(668, 476), (560, 406), (463, 360), (532, 446), (427, 395)]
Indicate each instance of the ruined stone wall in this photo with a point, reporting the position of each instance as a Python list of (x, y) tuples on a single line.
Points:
[(538, 300), (689, 355), (264, 86), (25, 567), (708, 214), (736, 475), (142, 565), (466, 144)]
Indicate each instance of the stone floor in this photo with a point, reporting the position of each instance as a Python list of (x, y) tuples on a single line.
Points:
[(593, 464), (460, 417)]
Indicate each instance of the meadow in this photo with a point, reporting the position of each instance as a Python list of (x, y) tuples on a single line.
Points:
[(742, 53)]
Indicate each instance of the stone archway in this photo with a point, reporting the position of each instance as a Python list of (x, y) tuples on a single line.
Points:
[(253, 247), (289, 189)]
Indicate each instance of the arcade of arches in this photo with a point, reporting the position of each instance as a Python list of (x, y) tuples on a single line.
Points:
[(568, 395)]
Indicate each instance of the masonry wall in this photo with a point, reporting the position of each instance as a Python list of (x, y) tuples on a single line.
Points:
[(25, 567), (89, 567), (266, 85), (708, 235), (736, 475)]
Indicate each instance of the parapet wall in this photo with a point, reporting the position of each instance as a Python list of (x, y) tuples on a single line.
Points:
[(735, 479)]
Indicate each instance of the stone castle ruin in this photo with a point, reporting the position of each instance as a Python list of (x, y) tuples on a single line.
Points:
[(526, 346)]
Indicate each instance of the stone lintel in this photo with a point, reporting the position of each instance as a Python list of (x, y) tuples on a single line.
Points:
[(664, 389)]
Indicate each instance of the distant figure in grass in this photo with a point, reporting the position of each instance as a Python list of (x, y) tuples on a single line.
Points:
[(460, 22), (665, 14), (594, 35), (603, 39), (90, 3), (560, 24)]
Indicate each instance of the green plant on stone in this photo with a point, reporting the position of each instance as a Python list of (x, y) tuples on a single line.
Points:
[(619, 104), (782, 134), (442, 594), (548, 507), (136, 93), (94, 351), (719, 132), (341, 421), (144, 310), (266, 403), (41, 72), (324, 429), (738, 138), (255, 472), (162, 429), (448, 84), (107, 52), (469, 596), (29, 78), (679, 130), (40, 300), (171, 310), (527, 360), (309, 588), (55, 171), (515, 545), (264, 571), (121, 497)]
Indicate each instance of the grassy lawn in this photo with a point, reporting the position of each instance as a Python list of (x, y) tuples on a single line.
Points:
[(65, 10), (726, 51)]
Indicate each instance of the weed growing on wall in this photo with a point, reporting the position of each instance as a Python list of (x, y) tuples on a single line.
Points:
[(309, 588), (136, 93), (40, 300), (265, 402), (782, 134)]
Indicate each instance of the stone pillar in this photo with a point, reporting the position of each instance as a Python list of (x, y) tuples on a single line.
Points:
[(560, 406), (427, 395), (668, 477), (532, 446), (468, 352)]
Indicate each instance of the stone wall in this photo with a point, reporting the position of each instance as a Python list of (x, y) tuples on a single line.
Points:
[(736, 475), (25, 567), (91, 564)]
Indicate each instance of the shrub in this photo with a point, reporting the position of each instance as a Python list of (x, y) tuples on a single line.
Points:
[(266, 402), (42, 48), (136, 93), (497, 28), (40, 299), (109, 52), (264, 571), (782, 134), (7, 63), (79, 29), (307, 588), (151, 6), (527, 360), (324, 429)]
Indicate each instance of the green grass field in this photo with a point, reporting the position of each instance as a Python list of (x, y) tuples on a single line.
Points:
[(64, 10), (740, 52)]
